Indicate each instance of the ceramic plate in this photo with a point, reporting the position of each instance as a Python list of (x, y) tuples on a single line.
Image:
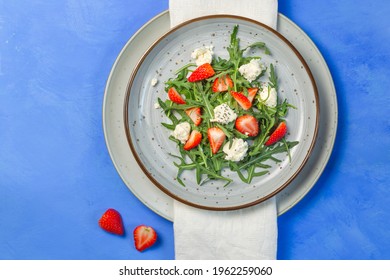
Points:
[(148, 139), (124, 162)]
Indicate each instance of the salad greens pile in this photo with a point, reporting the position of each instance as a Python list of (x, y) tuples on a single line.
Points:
[(207, 165)]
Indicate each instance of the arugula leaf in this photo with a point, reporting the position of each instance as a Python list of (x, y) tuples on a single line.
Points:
[(273, 80), (259, 45)]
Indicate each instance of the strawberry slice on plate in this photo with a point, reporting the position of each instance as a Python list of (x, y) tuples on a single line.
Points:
[(216, 138), (204, 71), (222, 84), (277, 134), (248, 125), (193, 140), (195, 115), (175, 97), (111, 221), (252, 93), (144, 237), (242, 100)]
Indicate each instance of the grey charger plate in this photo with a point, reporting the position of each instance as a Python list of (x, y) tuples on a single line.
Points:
[(124, 161)]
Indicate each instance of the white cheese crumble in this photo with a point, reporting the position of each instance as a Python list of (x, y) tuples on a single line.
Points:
[(153, 82), (203, 55), (157, 105), (251, 70), (182, 132), (237, 151), (269, 96), (223, 114)]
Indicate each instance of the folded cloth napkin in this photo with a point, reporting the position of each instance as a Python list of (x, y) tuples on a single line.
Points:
[(264, 11), (246, 234), (249, 233)]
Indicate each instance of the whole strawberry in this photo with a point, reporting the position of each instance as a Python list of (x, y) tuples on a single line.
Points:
[(111, 221)]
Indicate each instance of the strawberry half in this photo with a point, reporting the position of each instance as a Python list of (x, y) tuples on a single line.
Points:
[(278, 134), (204, 71), (216, 138), (222, 84), (193, 140), (248, 125), (111, 221), (144, 237), (195, 115), (175, 97), (241, 99), (252, 93)]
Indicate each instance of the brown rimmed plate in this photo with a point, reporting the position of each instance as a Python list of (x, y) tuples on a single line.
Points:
[(149, 141)]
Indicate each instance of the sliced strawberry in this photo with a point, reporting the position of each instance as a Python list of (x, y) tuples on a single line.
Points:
[(242, 100), (222, 84), (252, 93), (278, 134), (204, 71), (193, 140), (195, 115), (144, 237), (216, 138), (248, 125), (174, 96), (111, 221)]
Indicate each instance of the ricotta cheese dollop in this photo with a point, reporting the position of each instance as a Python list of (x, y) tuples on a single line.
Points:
[(182, 132), (251, 70), (157, 105), (153, 82), (237, 151), (223, 114), (203, 55), (269, 96)]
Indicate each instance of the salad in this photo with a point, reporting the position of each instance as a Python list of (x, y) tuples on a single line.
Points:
[(225, 114)]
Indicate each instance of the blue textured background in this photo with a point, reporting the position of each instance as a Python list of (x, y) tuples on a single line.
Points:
[(57, 178)]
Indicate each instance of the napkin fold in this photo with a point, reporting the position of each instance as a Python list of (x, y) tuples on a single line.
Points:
[(265, 11), (249, 233), (245, 234)]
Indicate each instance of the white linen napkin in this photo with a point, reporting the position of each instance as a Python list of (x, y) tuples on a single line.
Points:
[(265, 11), (246, 234), (249, 233)]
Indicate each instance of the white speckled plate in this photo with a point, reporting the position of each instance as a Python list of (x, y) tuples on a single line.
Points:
[(149, 140), (124, 161)]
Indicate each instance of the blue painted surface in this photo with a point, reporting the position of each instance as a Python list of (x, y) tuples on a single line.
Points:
[(57, 178)]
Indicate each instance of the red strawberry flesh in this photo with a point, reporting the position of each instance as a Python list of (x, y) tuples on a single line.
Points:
[(222, 84), (175, 97), (144, 237), (195, 115), (248, 125), (216, 138), (277, 135), (193, 140), (204, 71), (252, 93), (242, 100)]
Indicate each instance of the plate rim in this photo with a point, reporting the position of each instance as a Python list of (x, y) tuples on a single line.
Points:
[(163, 188)]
